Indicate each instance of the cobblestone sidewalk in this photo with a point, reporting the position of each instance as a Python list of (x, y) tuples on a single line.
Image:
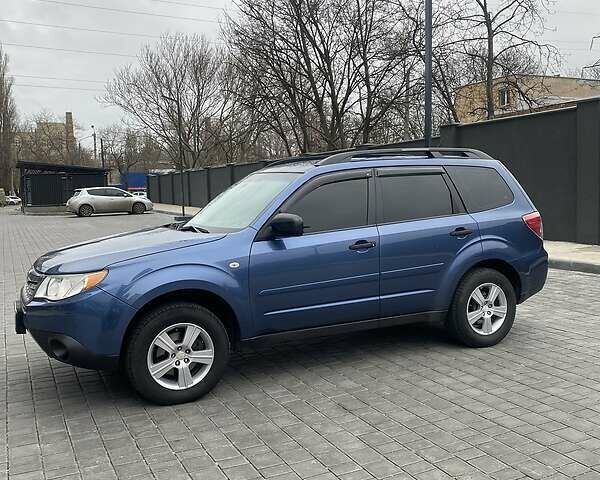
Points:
[(401, 403)]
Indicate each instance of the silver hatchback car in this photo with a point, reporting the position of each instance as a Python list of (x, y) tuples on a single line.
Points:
[(87, 201)]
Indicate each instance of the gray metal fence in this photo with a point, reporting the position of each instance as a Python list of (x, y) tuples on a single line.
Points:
[(199, 186), (554, 154)]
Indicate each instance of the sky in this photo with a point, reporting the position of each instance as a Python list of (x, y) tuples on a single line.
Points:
[(54, 80)]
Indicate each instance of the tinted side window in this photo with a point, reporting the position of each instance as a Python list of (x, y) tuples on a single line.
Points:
[(333, 206), (410, 197), (112, 192), (481, 188), (98, 192)]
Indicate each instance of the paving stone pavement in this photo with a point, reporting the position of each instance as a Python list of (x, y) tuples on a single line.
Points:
[(402, 403)]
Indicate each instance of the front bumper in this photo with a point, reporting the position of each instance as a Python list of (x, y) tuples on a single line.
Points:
[(86, 330)]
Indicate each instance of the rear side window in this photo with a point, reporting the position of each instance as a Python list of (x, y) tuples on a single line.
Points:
[(333, 206), (481, 188), (97, 192), (411, 197)]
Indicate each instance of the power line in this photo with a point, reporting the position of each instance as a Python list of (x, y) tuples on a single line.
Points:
[(58, 88), (132, 12), (78, 29), (185, 4), (573, 12), (58, 78), (68, 50)]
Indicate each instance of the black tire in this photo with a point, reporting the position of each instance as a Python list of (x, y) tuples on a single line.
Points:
[(144, 333), (459, 325), (138, 208), (85, 210)]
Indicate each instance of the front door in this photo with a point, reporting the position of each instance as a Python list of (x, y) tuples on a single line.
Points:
[(422, 227), (328, 275)]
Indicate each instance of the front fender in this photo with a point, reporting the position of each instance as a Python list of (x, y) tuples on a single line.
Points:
[(151, 284)]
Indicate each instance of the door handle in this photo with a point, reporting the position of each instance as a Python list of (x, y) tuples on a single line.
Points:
[(461, 232), (362, 245)]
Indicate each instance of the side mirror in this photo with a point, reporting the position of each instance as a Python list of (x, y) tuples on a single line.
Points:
[(287, 225)]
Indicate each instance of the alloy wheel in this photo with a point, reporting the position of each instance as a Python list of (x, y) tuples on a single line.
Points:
[(487, 308), (180, 356)]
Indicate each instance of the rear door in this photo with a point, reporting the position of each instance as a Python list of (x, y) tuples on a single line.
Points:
[(328, 275), (422, 227)]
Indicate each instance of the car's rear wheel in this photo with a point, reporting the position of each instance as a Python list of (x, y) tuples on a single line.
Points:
[(484, 307), (138, 208), (176, 353), (85, 210)]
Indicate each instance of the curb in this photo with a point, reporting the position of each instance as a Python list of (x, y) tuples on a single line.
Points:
[(574, 266)]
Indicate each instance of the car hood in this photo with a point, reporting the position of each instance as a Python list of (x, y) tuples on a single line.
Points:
[(99, 253)]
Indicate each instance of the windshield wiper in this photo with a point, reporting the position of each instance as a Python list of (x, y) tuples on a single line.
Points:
[(193, 228)]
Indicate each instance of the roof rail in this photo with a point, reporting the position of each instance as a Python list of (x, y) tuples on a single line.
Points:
[(378, 151), (308, 157), (363, 152)]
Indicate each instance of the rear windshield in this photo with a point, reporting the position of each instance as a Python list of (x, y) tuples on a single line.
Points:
[(481, 188), (76, 192)]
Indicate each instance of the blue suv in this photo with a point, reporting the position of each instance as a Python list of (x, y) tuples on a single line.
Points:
[(318, 244)]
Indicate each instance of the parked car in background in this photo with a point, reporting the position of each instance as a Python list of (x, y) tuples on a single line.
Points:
[(13, 200), (139, 193), (87, 201), (326, 244)]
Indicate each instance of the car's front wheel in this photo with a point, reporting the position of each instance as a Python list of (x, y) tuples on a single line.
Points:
[(138, 208), (85, 210), (177, 353), (484, 307)]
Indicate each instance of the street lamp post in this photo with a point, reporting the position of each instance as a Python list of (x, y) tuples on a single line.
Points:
[(181, 154), (428, 72), (95, 153)]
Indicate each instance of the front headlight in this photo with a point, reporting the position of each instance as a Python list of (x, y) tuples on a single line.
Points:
[(58, 287)]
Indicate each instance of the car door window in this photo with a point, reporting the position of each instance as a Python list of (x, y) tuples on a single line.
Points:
[(98, 192), (333, 206), (412, 197)]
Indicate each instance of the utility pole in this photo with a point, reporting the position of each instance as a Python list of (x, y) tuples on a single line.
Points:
[(95, 154), (102, 151), (181, 153), (181, 158), (428, 71)]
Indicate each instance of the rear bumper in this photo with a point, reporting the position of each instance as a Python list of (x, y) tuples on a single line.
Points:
[(534, 278)]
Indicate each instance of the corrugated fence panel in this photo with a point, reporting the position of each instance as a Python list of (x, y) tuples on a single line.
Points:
[(199, 188), (244, 169), (152, 191), (220, 180), (166, 189)]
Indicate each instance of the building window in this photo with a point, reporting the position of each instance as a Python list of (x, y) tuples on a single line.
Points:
[(504, 97)]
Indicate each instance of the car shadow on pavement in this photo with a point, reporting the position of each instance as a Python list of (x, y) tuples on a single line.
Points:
[(249, 366)]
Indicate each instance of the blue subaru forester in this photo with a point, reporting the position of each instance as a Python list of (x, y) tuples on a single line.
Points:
[(312, 245)]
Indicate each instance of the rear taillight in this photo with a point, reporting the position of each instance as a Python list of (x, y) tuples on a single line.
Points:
[(534, 221)]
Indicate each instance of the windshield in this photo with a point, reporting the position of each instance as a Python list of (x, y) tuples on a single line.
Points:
[(240, 204)]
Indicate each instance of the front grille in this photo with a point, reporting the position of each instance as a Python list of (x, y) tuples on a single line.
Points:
[(33, 282)]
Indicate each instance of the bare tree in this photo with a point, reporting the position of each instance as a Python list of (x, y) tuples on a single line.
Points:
[(8, 121), (324, 74), (43, 138), (503, 37), (125, 149), (173, 92)]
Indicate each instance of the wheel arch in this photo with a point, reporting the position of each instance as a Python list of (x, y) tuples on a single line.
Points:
[(213, 302), (501, 266)]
